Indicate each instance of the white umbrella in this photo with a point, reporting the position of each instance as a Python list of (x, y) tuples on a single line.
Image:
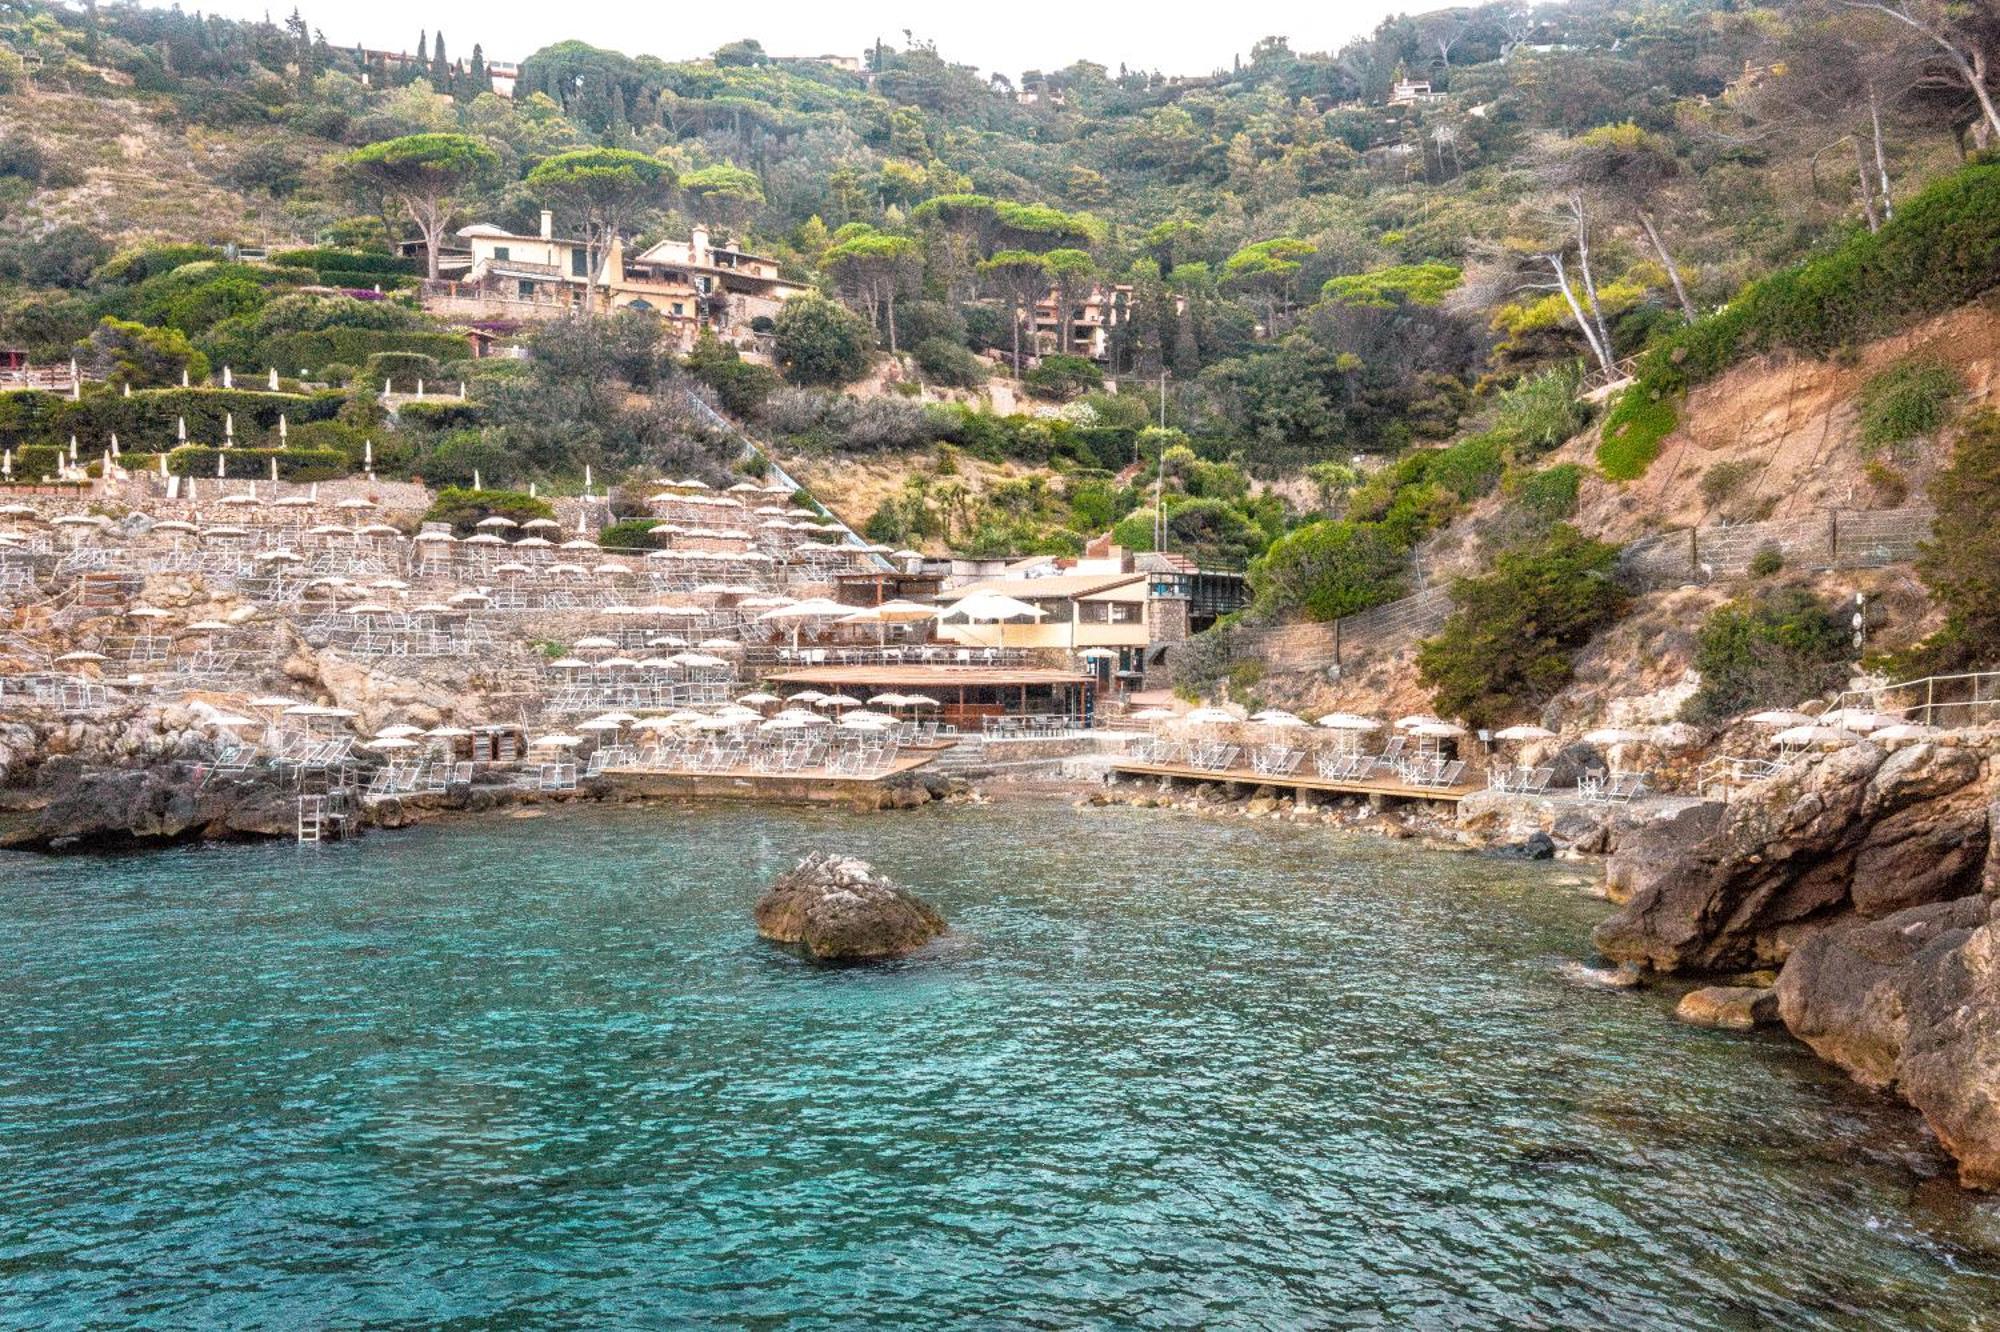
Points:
[(1211, 717), (1616, 735), (1414, 719), (1524, 732), (1781, 717), (556, 742), (1904, 731), (1857, 719), (1437, 730), (400, 731), (1152, 714), (392, 742), (1800, 736), (1348, 721)]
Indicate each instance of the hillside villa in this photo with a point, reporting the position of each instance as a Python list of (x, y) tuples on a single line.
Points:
[(689, 285)]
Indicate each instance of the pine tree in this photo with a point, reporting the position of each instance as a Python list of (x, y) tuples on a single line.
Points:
[(423, 47), (477, 79), (440, 67)]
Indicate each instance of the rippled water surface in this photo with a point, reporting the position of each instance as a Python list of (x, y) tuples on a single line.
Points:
[(1171, 1074)]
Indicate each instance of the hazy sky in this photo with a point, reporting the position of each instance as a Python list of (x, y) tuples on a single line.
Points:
[(1175, 37)]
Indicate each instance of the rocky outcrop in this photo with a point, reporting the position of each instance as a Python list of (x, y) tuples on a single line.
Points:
[(72, 806), (838, 909), (1731, 1007), (1911, 1003), (1863, 832)]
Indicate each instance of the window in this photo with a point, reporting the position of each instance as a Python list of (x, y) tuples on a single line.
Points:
[(579, 263), (527, 289), (680, 308), (503, 252)]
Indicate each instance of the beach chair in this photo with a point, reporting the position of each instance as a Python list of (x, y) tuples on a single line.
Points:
[(1626, 786), (1447, 775), (461, 773), (1389, 759), (1537, 782)]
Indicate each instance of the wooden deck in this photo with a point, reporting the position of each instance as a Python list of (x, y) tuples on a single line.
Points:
[(1304, 780), (809, 786)]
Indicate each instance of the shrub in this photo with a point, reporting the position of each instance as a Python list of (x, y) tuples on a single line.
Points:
[(631, 534), (1062, 378), (1772, 649), (400, 369), (1888, 484), (1633, 432), (741, 386), (1909, 401), (948, 363), (1767, 560), (127, 353), (1506, 648), (1550, 495), (436, 416), (464, 508), (1325, 570), (460, 457), (1724, 479), (1469, 468), (1961, 561), (820, 342), (1542, 411)]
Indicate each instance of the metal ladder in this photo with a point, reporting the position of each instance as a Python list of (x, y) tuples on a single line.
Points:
[(311, 817)]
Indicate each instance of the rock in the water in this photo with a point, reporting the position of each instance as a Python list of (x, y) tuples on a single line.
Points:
[(1732, 1007), (1912, 1003), (838, 909), (1865, 831), (1536, 846)]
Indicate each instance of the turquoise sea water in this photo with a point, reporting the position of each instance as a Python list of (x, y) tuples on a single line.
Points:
[(1170, 1074)]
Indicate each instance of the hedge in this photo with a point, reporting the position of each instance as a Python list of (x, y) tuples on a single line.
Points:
[(292, 352), (438, 416), (149, 416), (326, 258), (255, 464), (1941, 250)]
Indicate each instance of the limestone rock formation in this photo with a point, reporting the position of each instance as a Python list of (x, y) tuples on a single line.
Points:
[(1731, 1007), (1862, 832), (1911, 1003), (838, 909)]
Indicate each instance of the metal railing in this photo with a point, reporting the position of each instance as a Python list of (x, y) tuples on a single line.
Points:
[(1965, 699)]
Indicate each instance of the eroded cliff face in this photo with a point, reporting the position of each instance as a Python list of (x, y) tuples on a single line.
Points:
[(1873, 876), (1911, 1004), (1860, 833)]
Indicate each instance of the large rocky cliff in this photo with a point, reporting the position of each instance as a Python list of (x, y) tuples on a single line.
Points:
[(1872, 876)]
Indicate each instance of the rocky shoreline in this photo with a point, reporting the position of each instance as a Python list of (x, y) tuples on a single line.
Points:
[(72, 801), (1855, 899)]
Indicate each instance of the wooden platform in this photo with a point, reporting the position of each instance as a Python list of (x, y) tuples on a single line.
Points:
[(1297, 781), (813, 786)]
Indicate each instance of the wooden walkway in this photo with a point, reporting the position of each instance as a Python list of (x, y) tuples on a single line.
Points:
[(1297, 781), (806, 786)]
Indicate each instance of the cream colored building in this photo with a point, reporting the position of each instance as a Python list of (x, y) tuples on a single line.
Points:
[(1080, 610), (546, 276)]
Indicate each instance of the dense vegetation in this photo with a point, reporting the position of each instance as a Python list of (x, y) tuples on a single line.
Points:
[(1770, 650), (1345, 317)]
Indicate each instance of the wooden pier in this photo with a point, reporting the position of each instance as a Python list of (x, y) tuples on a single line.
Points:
[(1299, 783), (810, 786)]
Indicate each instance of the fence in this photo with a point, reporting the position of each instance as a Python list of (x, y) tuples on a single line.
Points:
[(1970, 699), (1835, 539), (1339, 642)]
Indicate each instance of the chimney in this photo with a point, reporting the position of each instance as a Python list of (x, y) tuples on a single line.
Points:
[(698, 246), (548, 225)]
